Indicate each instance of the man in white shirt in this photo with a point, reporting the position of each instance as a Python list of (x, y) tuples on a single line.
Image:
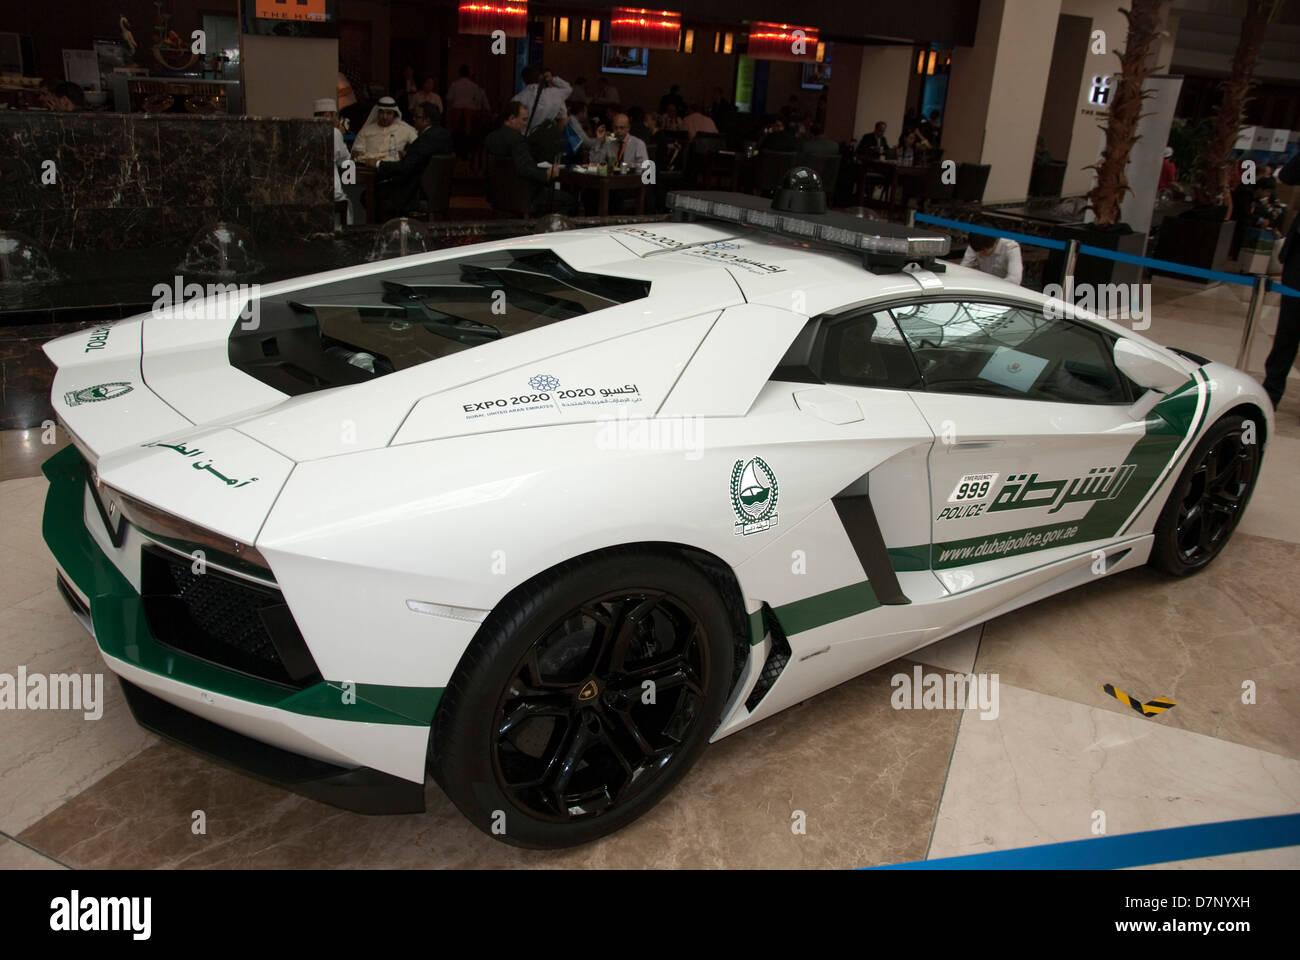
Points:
[(326, 109), (544, 95), (697, 122), (385, 134), (623, 149), (996, 255)]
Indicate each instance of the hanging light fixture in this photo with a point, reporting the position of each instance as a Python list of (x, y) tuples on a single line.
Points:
[(782, 41), (634, 27), (485, 18)]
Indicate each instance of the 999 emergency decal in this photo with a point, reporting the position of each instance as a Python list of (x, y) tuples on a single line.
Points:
[(972, 487), (969, 496)]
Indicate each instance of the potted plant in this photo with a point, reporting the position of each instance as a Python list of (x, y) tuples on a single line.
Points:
[(1204, 234), (1145, 25)]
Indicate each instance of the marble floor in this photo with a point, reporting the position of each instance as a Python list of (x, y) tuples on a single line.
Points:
[(875, 785)]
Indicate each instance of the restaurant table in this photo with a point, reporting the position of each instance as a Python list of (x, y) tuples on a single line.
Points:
[(897, 174), (603, 185)]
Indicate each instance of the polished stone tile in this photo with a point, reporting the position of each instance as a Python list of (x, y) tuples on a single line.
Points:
[(23, 451), (1272, 511), (955, 653), (14, 856), (867, 777), (47, 756), (1042, 771), (1196, 640)]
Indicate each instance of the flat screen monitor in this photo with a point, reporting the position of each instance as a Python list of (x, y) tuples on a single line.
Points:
[(631, 60), (816, 76)]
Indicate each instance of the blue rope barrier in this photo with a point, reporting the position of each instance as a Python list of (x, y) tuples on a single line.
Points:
[(1240, 279), (1130, 849), (991, 232)]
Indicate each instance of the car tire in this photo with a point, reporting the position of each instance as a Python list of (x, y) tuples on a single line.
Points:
[(547, 735), (1207, 502)]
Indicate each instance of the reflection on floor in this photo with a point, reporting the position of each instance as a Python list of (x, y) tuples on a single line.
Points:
[(876, 785)]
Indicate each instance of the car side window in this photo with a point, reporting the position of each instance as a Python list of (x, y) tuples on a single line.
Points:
[(1000, 350), (866, 350)]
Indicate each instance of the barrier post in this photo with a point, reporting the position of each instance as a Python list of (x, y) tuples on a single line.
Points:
[(1071, 258), (911, 217), (1252, 313)]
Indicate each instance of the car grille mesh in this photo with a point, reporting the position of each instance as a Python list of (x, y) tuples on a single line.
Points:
[(225, 610), (224, 619)]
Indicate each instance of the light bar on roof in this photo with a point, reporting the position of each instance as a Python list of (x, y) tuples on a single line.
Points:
[(872, 238)]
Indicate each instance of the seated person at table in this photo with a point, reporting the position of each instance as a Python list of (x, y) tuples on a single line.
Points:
[(669, 119), (914, 137), (779, 137), (385, 134), (697, 121), (995, 255), (576, 137), (508, 141), (818, 144), (640, 127), (874, 144), (398, 181), (622, 148)]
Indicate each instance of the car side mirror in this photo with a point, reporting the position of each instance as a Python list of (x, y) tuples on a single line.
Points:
[(1146, 367)]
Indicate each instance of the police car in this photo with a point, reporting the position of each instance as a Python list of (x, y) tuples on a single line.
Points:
[(545, 516)]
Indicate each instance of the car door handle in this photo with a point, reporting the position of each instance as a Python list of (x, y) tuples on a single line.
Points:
[(973, 445), (828, 405)]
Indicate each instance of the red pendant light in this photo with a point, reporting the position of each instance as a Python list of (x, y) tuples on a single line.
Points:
[(656, 29), (510, 16), (782, 41)]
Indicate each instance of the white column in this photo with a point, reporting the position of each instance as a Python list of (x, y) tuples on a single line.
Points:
[(995, 93)]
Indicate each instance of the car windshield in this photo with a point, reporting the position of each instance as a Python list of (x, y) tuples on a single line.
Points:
[(356, 329)]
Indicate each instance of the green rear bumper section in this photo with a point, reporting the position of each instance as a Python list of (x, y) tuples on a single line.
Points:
[(117, 613)]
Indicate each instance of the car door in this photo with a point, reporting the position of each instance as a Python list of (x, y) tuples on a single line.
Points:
[(1036, 455)]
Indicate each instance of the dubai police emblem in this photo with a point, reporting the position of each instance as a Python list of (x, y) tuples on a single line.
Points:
[(753, 496), (101, 391)]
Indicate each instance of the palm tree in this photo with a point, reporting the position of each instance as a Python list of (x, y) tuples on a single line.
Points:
[(1213, 187), (1145, 23)]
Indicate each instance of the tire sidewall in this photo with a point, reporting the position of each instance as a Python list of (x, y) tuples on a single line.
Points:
[(463, 758), (1165, 550)]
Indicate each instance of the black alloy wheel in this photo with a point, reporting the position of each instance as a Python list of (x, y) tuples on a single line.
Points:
[(585, 696), (600, 704), (1209, 498)]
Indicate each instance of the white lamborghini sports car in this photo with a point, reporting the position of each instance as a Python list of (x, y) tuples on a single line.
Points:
[(545, 516)]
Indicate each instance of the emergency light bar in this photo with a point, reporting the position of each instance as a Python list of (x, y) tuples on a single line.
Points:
[(885, 247)]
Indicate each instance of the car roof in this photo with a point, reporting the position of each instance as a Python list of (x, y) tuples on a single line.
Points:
[(784, 272)]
